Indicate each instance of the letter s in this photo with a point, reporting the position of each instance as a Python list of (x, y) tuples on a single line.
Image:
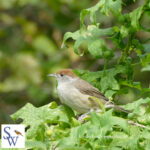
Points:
[(7, 131)]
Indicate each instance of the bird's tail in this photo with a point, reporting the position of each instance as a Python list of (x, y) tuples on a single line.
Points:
[(118, 108)]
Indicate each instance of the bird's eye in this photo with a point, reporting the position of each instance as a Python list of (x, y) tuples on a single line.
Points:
[(61, 75)]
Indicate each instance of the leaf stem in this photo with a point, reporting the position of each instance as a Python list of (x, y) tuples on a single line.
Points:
[(99, 102), (105, 66), (125, 52)]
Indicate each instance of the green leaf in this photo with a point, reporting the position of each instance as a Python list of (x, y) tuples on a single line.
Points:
[(138, 110), (90, 36), (129, 141), (95, 47), (131, 84), (145, 59), (146, 68), (106, 6), (74, 137), (35, 144), (109, 94), (124, 31), (53, 105), (83, 14), (107, 121), (88, 75), (92, 12), (74, 35), (72, 148), (112, 6), (35, 117), (144, 118), (146, 47), (91, 77), (109, 82), (136, 104), (94, 131), (135, 17)]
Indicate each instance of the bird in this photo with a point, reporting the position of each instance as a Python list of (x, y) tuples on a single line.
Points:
[(18, 133), (77, 93)]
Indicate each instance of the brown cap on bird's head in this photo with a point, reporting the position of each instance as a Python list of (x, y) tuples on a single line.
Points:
[(68, 72)]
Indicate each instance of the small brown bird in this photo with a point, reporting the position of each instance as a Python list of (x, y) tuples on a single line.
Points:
[(76, 93), (18, 133)]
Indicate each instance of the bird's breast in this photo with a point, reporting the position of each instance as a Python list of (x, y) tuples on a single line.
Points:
[(72, 97)]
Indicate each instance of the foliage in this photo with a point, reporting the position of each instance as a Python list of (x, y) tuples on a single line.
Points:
[(31, 32), (56, 127)]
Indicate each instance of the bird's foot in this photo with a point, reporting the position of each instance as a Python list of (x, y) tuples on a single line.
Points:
[(83, 116)]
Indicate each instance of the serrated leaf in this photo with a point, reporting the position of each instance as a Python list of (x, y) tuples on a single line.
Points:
[(88, 75), (35, 144), (136, 85), (90, 36), (124, 31), (74, 137), (107, 121), (73, 35), (106, 6), (112, 6), (95, 47), (144, 119), (136, 104), (109, 82), (138, 111), (92, 12), (128, 142), (35, 117), (109, 94), (135, 16)]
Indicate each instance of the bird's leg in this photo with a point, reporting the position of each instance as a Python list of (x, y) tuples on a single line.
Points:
[(109, 106), (98, 111), (85, 114)]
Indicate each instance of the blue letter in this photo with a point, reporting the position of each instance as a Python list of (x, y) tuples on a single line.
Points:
[(9, 137)]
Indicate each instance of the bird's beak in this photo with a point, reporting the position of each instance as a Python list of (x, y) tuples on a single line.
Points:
[(52, 75)]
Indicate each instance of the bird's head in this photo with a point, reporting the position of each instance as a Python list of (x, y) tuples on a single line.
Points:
[(64, 75)]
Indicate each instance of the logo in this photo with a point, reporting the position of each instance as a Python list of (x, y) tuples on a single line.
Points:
[(12, 136)]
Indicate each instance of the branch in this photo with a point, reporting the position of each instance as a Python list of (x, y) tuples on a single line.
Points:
[(137, 124)]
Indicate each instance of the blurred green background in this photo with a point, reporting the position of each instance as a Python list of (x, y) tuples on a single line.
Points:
[(31, 33)]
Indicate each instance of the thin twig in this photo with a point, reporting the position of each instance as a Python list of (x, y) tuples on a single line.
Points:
[(137, 124)]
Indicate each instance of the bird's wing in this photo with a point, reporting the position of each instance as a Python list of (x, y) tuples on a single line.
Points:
[(87, 89)]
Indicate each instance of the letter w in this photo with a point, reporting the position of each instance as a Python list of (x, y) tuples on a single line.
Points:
[(12, 140)]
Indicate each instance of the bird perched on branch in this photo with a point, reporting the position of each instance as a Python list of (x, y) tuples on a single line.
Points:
[(77, 93)]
